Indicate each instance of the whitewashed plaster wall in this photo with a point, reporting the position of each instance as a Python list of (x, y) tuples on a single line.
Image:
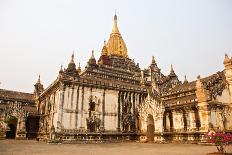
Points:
[(111, 106)]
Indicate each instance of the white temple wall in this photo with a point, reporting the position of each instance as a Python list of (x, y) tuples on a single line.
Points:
[(216, 119), (111, 106), (178, 123), (225, 97), (65, 120), (159, 124), (80, 103), (191, 123), (66, 97)]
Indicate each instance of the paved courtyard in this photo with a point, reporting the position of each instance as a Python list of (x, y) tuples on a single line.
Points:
[(19, 147)]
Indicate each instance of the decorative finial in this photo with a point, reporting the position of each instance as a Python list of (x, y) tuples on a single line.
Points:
[(38, 81), (104, 49), (79, 68), (92, 56), (115, 15), (72, 59), (172, 70), (198, 77), (226, 59), (153, 60), (172, 73), (61, 69), (185, 79), (115, 27)]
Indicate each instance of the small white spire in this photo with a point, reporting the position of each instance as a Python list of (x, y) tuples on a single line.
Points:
[(92, 56)]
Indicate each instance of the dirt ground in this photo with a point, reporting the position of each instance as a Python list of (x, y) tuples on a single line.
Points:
[(20, 147)]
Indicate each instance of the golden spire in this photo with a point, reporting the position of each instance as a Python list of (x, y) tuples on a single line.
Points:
[(116, 45), (115, 27), (104, 49)]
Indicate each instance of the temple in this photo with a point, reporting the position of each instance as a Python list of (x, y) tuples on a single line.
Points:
[(113, 99)]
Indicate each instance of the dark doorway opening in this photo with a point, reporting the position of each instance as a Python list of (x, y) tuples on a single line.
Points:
[(12, 126), (32, 126)]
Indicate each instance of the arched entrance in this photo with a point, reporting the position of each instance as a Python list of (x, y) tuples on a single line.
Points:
[(12, 126), (150, 128)]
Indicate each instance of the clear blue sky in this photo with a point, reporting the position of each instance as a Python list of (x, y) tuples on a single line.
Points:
[(37, 36)]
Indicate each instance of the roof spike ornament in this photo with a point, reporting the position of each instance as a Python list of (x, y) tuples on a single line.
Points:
[(61, 69), (92, 60), (104, 49), (185, 79), (226, 59), (115, 27), (38, 81), (153, 60), (92, 56), (38, 87), (71, 69), (172, 72), (79, 68), (72, 57)]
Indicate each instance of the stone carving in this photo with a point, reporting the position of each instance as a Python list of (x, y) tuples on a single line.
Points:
[(15, 109), (128, 121), (215, 85), (93, 122)]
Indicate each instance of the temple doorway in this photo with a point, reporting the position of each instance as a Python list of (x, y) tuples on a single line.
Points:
[(12, 126), (32, 126), (150, 128)]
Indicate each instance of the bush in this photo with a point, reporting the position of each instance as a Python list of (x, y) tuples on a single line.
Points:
[(219, 139)]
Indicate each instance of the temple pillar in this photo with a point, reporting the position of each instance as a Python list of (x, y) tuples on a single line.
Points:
[(82, 127), (219, 120), (185, 119), (102, 126), (228, 74), (61, 106), (191, 120), (71, 119), (119, 110), (228, 109), (77, 105), (167, 122), (173, 120), (21, 128), (202, 98), (133, 103)]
